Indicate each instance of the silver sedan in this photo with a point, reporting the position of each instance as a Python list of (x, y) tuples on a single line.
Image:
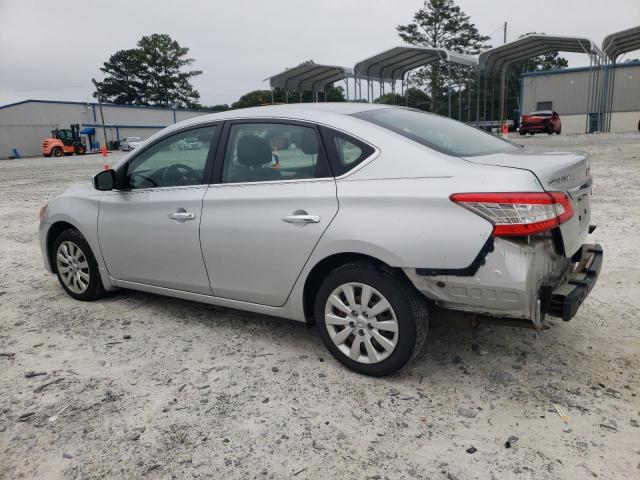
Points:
[(365, 219)]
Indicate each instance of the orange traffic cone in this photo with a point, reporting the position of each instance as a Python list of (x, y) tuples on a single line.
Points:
[(104, 151), (505, 128)]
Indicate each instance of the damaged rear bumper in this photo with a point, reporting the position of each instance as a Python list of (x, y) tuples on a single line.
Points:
[(564, 300), (517, 279)]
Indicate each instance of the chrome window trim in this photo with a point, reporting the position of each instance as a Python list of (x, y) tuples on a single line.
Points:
[(273, 182), (160, 189)]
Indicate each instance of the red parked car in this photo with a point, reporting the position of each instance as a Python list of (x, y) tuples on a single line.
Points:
[(544, 121)]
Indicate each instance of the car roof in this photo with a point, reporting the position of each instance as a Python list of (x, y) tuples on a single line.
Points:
[(301, 111)]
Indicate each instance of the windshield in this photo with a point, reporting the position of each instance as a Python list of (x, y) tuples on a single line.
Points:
[(440, 133)]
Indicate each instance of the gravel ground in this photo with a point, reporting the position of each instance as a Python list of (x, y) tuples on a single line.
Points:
[(142, 385)]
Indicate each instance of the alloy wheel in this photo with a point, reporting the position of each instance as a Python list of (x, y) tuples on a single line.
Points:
[(73, 267), (361, 323)]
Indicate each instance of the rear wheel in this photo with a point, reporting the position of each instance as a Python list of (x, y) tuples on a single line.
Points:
[(522, 132), (371, 320), (76, 267), (56, 151)]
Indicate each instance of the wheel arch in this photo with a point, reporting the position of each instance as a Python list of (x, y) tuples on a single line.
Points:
[(54, 230), (322, 268)]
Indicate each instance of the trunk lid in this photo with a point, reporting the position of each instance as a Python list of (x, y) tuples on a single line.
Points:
[(533, 119), (557, 172)]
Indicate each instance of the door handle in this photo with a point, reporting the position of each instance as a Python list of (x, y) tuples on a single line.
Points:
[(302, 219), (182, 216)]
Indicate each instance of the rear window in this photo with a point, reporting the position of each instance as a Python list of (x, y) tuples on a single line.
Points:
[(440, 133), (345, 152), (540, 114)]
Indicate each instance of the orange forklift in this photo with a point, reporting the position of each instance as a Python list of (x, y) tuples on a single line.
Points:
[(64, 141)]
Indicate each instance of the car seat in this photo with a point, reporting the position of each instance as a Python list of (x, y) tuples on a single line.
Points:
[(254, 157)]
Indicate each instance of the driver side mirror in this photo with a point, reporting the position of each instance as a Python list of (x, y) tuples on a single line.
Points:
[(104, 180)]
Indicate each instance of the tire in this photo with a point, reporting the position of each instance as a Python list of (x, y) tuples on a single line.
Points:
[(80, 150), (532, 133), (85, 263), (522, 132), (407, 307), (56, 152), (549, 130)]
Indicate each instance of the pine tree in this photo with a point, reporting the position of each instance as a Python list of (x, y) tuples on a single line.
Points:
[(152, 74), (441, 24)]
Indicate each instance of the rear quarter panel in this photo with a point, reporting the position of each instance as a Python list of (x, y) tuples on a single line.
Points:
[(397, 208)]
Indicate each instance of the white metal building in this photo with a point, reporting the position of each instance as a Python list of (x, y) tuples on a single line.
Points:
[(566, 92), (23, 125)]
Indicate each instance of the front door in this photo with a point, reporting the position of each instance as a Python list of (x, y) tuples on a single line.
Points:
[(149, 228), (273, 200)]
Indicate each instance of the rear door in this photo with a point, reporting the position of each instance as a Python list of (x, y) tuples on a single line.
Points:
[(273, 199)]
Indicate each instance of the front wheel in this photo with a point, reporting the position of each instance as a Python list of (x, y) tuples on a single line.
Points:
[(76, 267), (80, 150), (372, 320)]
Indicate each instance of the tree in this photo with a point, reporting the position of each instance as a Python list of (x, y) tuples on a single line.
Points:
[(253, 99), (442, 24), (413, 97), (548, 61), (219, 108), (334, 94), (152, 74), (122, 83)]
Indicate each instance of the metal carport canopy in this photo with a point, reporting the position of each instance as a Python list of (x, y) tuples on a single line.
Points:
[(533, 45), (621, 42), (392, 64), (309, 76)]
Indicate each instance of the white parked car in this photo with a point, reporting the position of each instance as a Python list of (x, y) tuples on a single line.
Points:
[(129, 143), (358, 217)]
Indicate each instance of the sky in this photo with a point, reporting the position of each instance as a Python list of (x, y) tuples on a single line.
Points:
[(51, 49)]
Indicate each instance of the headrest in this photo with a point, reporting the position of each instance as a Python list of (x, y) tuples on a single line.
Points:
[(309, 142), (253, 151)]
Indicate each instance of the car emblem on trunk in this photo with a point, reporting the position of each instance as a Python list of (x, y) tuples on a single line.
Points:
[(558, 180)]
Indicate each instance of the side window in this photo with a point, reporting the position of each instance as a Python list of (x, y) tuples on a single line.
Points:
[(174, 161), (259, 152), (345, 152)]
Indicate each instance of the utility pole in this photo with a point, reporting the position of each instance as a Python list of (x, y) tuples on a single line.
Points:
[(104, 129), (505, 32)]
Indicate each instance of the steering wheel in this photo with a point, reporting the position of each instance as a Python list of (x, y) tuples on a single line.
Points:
[(179, 174)]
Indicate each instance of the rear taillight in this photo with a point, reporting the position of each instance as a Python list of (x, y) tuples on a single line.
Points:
[(518, 214)]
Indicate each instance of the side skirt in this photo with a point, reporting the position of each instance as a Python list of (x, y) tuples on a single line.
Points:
[(282, 312)]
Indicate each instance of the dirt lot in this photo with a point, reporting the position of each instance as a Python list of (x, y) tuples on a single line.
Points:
[(200, 391)]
